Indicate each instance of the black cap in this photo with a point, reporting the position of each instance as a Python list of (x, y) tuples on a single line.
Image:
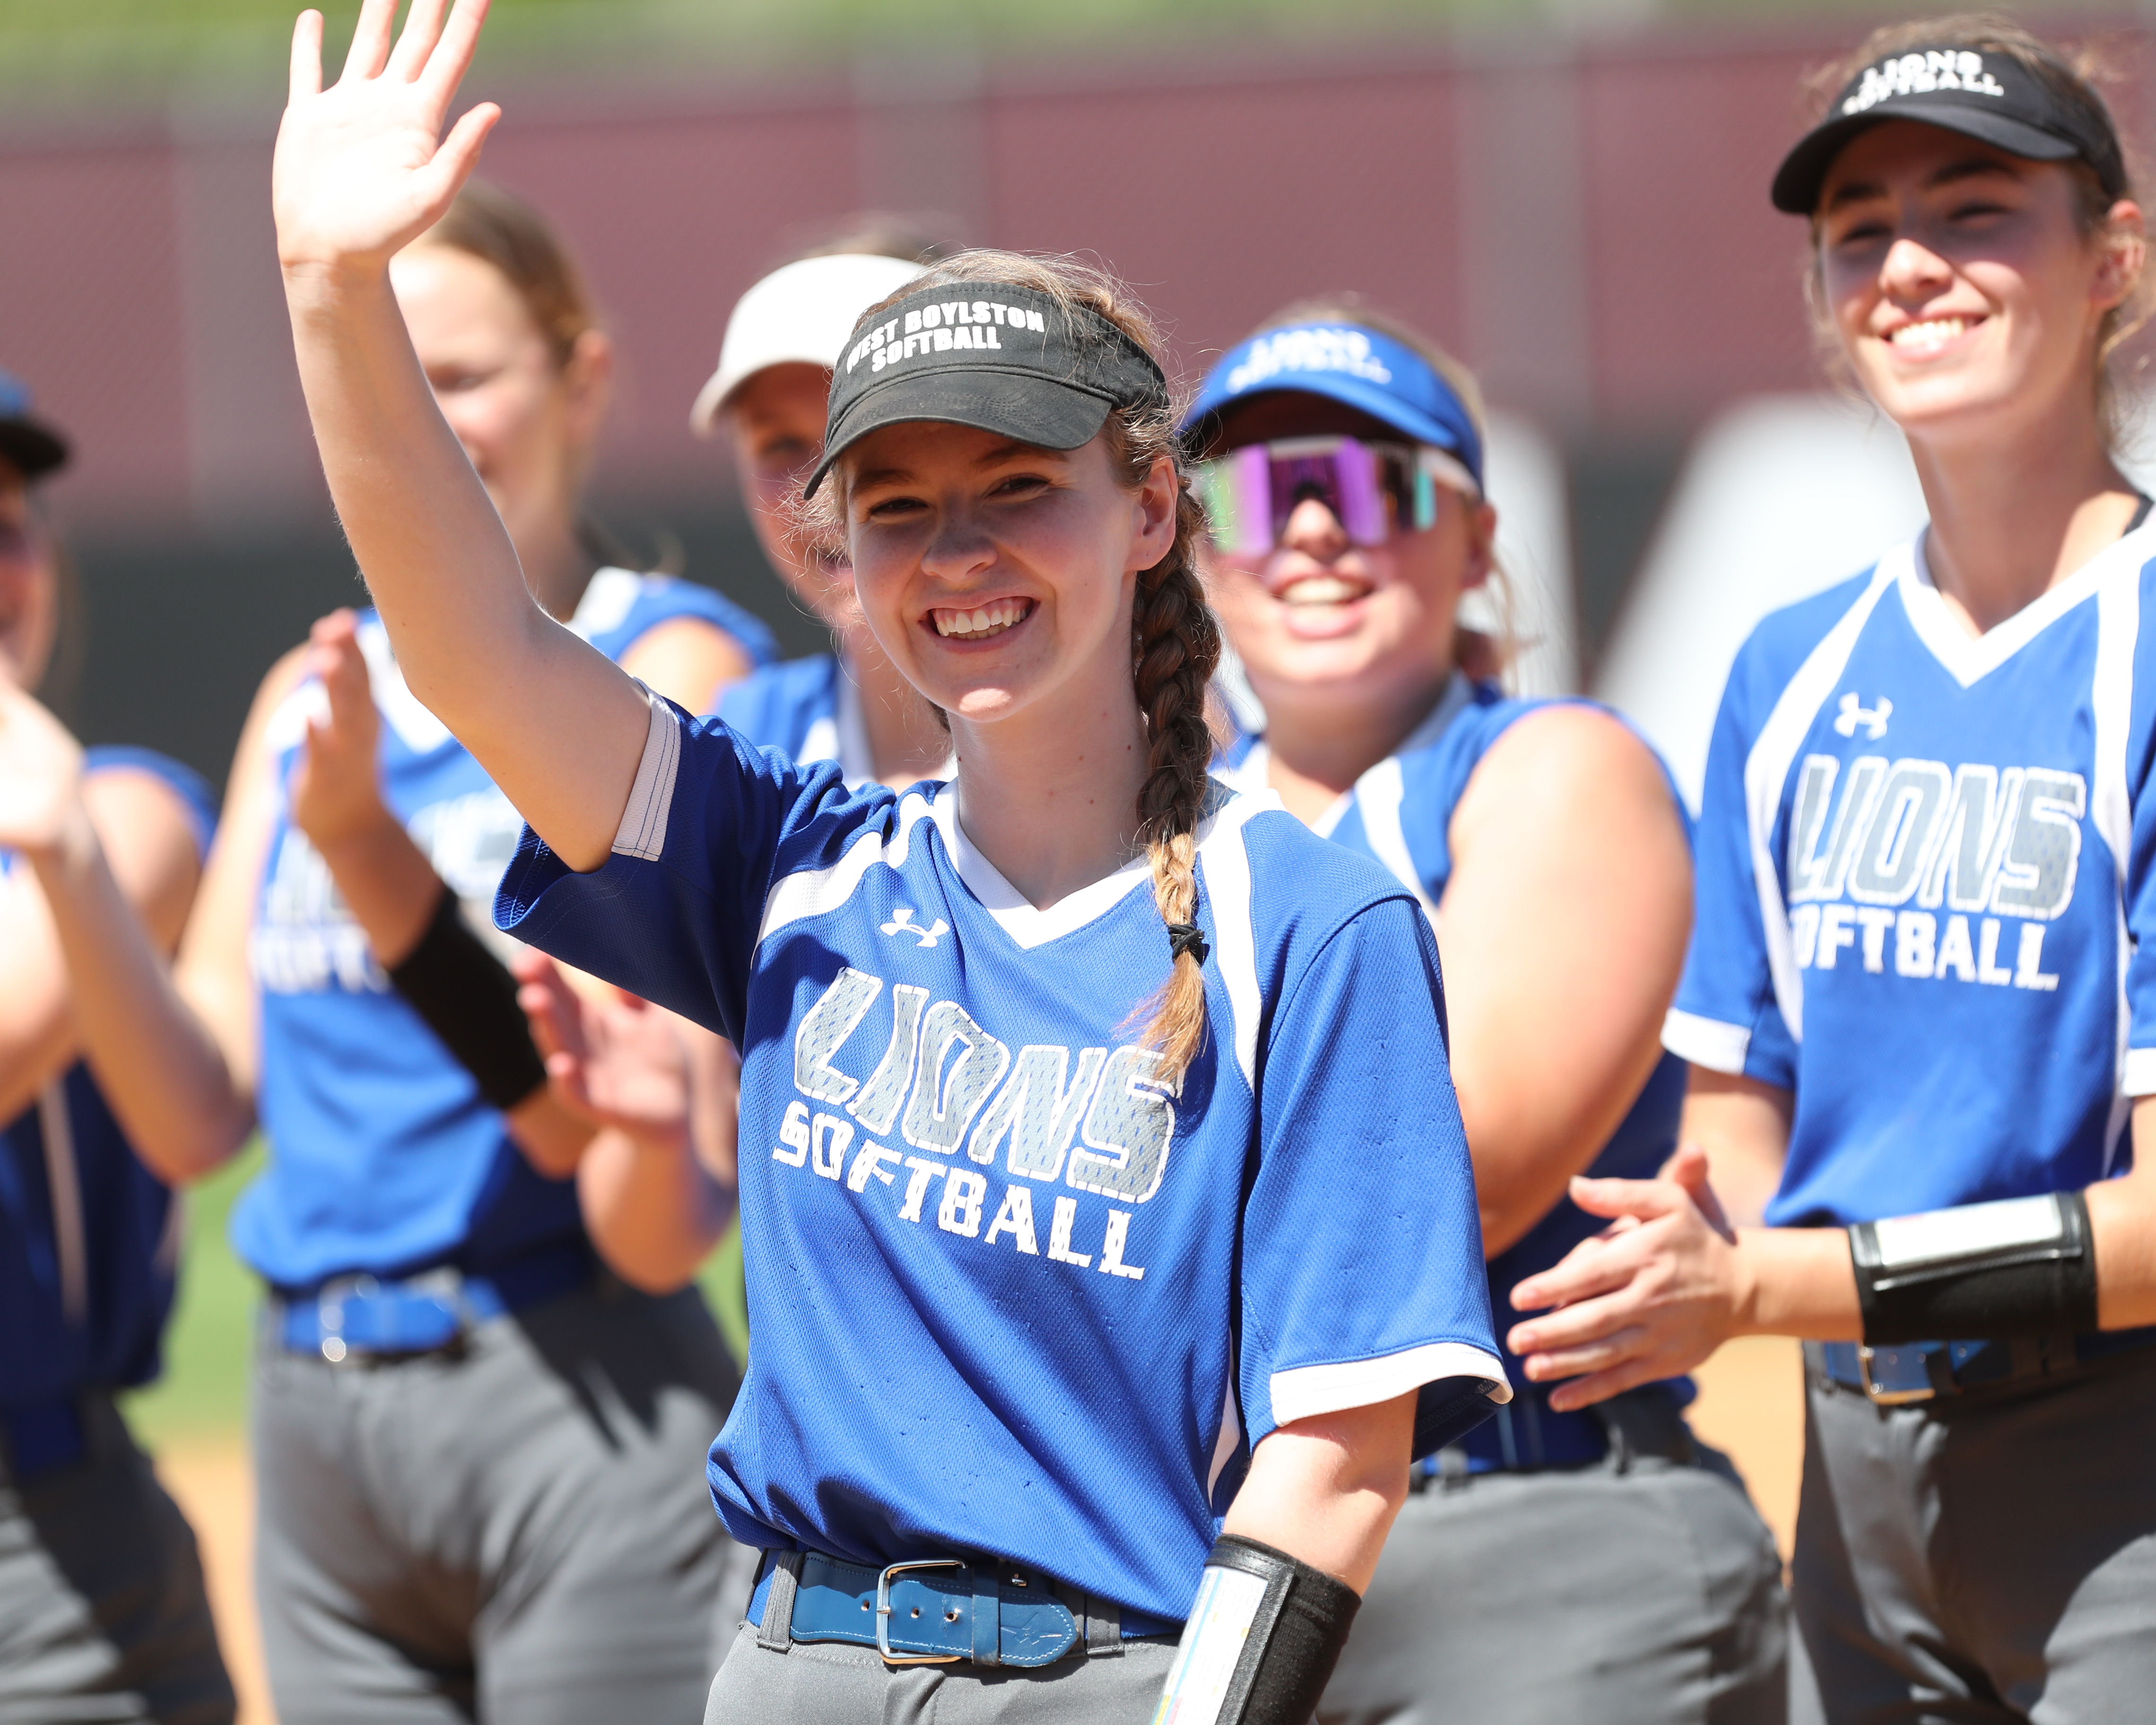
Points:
[(31, 445), (1992, 96), (1010, 360)]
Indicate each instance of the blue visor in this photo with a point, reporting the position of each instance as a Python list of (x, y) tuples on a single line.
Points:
[(1360, 367)]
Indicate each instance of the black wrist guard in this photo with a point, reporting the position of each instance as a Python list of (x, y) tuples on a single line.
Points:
[(469, 1000), (1263, 1637), (2021, 1266)]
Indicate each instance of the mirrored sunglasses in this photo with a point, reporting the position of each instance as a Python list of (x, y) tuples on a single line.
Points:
[(1374, 490)]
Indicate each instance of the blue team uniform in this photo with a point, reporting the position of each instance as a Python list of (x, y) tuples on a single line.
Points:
[(1399, 814), (807, 709), (990, 1255), (90, 1242), (1924, 888), (386, 1159)]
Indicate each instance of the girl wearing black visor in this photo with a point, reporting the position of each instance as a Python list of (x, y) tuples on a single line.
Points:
[(1919, 1007), (1073, 1118)]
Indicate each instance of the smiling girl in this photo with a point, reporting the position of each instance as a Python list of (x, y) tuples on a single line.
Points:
[(1918, 1009), (1074, 1114), (1553, 1564), (481, 1384)]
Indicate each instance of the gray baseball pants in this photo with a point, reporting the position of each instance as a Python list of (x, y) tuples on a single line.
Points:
[(1645, 1592), (1980, 1559), (102, 1613), (518, 1531)]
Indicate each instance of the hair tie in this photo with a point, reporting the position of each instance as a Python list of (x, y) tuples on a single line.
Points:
[(1184, 937)]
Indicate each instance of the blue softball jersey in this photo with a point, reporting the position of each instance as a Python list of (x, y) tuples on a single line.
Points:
[(810, 710), (1399, 814), (88, 1236), (384, 1157), (1924, 888), (1011, 1293)]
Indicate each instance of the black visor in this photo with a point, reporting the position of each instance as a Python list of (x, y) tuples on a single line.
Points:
[(32, 447), (1014, 361), (1990, 96)]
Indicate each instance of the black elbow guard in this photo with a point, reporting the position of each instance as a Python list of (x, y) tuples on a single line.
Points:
[(2019, 1267), (1262, 1639), (468, 998)]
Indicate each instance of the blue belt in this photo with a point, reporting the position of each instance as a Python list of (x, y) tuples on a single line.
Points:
[(935, 1610), (1902, 1373), (44, 1436), (366, 1318)]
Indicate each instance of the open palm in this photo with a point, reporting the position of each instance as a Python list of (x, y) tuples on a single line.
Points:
[(361, 168)]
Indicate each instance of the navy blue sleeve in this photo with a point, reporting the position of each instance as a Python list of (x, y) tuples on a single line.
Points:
[(680, 927), (1363, 1273)]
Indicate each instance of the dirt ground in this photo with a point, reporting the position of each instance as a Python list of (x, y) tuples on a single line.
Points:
[(212, 1482), (1751, 1403)]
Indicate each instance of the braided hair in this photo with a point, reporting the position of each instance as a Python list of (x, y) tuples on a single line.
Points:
[(1175, 643)]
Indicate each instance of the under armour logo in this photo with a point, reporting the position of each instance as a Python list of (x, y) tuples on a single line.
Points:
[(901, 922), (1853, 714)]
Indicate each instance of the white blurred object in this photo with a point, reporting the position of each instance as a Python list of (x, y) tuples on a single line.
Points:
[(1524, 471), (1782, 497)]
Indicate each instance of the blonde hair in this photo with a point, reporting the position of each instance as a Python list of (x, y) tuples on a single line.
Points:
[(1175, 643), (500, 228), (2070, 81)]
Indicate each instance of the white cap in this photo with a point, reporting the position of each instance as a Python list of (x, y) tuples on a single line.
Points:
[(801, 314)]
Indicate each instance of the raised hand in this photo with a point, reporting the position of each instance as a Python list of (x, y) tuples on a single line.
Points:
[(614, 1061), (335, 791), (1650, 1297), (41, 805), (362, 168)]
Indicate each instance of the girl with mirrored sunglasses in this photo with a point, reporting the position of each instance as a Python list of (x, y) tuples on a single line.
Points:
[(1550, 1565)]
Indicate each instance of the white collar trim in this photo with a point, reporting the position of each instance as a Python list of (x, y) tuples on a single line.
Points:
[(1967, 658), (1031, 926), (1253, 775)]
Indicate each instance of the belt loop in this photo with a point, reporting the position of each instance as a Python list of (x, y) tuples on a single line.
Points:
[(777, 1629), (1099, 1621), (988, 1614)]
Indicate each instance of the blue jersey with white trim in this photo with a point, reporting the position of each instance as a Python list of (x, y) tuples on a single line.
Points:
[(385, 1159), (794, 708), (1399, 814), (88, 1236), (1012, 1293), (810, 710), (1924, 888)]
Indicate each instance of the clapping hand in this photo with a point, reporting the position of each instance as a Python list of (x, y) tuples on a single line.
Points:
[(1650, 1297), (335, 791), (41, 805), (613, 1061), (361, 168)]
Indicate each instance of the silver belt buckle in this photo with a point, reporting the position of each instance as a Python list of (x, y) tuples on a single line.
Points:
[(329, 1311), (1888, 1397), (883, 1614)]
